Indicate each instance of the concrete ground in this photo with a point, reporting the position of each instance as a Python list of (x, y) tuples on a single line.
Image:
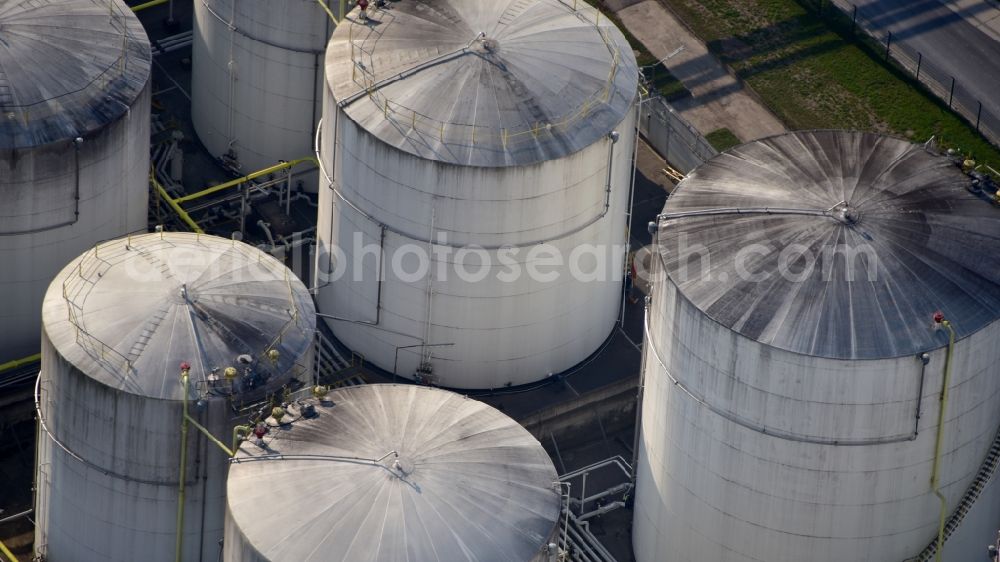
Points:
[(718, 99), (983, 14)]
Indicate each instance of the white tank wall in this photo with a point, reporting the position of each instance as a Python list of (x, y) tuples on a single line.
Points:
[(121, 504), (712, 485), (39, 187), (270, 102), (503, 332), (108, 457), (85, 513)]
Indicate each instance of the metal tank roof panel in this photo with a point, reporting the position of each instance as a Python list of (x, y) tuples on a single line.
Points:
[(834, 244), (130, 311), (478, 83), (67, 67), (470, 483)]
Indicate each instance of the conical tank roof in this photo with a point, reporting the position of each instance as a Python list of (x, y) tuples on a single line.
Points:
[(130, 311), (396, 473), (479, 83), (834, 244), (67, 67)]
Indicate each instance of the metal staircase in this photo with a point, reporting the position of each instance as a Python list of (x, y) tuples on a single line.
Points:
[(986, 473), (330, 366)]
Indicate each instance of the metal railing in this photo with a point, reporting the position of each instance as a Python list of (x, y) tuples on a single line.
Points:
[(926, 69), (95, 263), (362, 50), (328, 363), (118, 21), (669, 134), (577, 542)]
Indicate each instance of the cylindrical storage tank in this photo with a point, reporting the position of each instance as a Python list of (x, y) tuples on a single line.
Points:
[(118, 323), (256, 77), (392, 473), (793, 369), (74, 145), (477, 160)]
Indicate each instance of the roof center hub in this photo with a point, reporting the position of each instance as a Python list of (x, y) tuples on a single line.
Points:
[(845, 213), (401, 466), (484, 45)]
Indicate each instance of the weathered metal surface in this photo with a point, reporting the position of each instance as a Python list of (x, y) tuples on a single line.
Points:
[(860, 286), (468, 483), (813, 438), (491, 309), (67, 68), (483, 83), (117, 326), (257, 78), (74, 145), (148, 303)]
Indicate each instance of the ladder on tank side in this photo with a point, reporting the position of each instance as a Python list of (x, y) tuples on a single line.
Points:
[(986, 473)]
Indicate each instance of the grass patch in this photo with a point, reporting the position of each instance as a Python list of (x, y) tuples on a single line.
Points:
[(814, 73), (722, 139), (658, 76)]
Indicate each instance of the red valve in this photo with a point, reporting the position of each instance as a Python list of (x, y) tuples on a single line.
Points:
[(260, 430), (185, 366), (938, 317)]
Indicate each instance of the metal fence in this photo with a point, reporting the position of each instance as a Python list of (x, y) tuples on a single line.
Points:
[(933, 74), (675, 139)]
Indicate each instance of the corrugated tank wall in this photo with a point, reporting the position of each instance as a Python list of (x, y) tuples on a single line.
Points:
[(503, 163), (74, 163), (257, 69), (505, 328), (739, 461), (801, 399), (119, 322)]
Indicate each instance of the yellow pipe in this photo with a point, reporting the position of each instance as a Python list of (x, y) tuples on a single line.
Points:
[(329, 13), (211, 437), (939, 439), (184, 216), (237, 437), (244, 179), (245, 429), (179, 539), (149, 5), (6, 552), (4, 367)]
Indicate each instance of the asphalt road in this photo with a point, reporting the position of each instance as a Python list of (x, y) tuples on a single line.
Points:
[(946, 39)]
